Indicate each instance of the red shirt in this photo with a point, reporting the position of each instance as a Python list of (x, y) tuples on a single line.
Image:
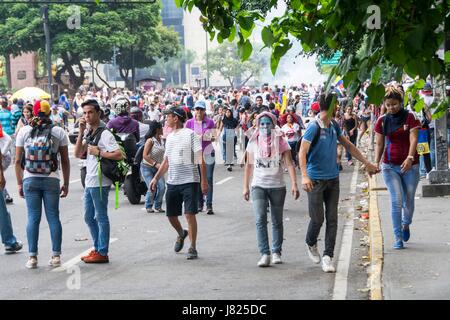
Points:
[(397, 144)]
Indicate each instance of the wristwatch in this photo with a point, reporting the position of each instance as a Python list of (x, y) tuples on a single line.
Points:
[(410, 157)]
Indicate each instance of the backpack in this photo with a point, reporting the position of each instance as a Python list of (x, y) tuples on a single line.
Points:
[(114, 170), (40, 157), (315, 138)]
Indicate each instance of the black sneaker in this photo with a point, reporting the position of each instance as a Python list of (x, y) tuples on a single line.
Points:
[(210, 211), (230, 168), (180, 241), (192, 254), (14, 248)]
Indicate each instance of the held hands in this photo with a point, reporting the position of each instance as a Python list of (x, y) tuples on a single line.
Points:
[(372, 168)]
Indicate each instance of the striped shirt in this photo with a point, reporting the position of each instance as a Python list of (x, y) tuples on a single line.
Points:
[(305, 96), (181, 147)]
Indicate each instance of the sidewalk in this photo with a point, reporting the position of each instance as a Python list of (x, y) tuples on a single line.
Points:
[(421, 270)]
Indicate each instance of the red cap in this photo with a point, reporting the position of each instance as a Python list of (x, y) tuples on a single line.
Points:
[(315, 106)]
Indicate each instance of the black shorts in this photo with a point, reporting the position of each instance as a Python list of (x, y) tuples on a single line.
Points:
[(177, 194)]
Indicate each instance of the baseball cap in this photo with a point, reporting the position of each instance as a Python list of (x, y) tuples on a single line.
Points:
[(200, 104), (178, 111), (315, 106)]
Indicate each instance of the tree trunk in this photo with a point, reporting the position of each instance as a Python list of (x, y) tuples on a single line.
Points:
[(124, 76), (74, 81)]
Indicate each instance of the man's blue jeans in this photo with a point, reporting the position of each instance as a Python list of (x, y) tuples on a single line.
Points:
[(6, 230), (148, 173), (260, 201), (96, 217), (402, 187), (38, 190)]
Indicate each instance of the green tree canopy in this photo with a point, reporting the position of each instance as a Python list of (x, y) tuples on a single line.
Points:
[(134, 29)]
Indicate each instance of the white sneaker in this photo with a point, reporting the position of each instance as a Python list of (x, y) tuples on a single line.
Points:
[(313, 253), (55, 262), (32, 263), (264, 261), (276, 258), (327, 264)]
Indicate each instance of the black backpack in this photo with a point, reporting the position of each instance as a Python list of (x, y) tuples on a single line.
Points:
[(315, 138)]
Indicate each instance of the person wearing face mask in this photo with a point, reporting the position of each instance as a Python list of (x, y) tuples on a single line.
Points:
[(265, 151), (399, 128)]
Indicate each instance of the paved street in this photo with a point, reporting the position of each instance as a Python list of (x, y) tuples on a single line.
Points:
[(144, 266)]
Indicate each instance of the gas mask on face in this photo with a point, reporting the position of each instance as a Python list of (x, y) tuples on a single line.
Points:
[(265, 126)]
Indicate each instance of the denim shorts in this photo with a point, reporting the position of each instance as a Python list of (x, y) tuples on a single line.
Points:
[(177, 194)]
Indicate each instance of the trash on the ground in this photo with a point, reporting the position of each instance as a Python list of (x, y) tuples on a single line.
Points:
[(81, 239), (364, 202), (364, 290), (365, 257), (364, 241), (365, 215)]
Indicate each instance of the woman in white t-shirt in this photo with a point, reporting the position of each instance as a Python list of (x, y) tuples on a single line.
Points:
[(292, 132), (265, 151), (39, 181)]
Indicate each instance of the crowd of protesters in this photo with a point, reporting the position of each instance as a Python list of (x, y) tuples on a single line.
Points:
[(301, 129)]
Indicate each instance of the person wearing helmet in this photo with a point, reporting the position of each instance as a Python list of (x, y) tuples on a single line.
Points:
[(123, 123), (137, 114)]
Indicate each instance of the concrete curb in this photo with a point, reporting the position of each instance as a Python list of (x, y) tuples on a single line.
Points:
[(376, 243)]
